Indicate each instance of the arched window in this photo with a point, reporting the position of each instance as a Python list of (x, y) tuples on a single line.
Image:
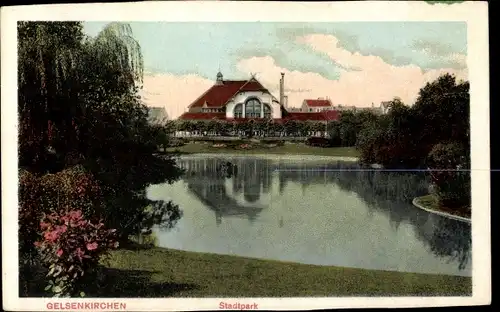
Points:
[(238, 111), (252, 108), (267, 111)]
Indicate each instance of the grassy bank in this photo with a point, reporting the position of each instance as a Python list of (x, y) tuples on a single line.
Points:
[(430, 202), (286, 149), (157, 272)]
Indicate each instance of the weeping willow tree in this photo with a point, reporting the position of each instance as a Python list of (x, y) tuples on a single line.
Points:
[(79, 105), (66, 80)]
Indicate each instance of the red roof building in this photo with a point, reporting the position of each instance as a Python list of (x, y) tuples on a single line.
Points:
[(244, 100), (317, 105)]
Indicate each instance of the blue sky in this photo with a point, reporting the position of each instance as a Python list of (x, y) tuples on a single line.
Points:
[(201, 48)]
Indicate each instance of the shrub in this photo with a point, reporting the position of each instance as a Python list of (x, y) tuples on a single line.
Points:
[(317, 141), (29, 215), (176, 142), (452, 183), (48, 193), (71, 247)]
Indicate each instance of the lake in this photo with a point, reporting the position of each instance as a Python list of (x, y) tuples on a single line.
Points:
[(311, 210)]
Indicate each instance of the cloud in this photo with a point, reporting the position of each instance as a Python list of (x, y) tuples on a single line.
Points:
[(291, 55), (454, 60), (388, 56), (346, 40), (431, 47), (173, 92), (363, 78), (440, 54), (374, 80)]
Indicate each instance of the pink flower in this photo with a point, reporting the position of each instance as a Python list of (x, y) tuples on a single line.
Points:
[(38, 244), (59, 252), (75, 214), (51, 236), (61, 229), (92, 246), (79, 253), (44, 225)]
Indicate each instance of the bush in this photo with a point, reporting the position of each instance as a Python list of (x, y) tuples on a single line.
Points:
[(317, 141), (29, 216), (176, 142), (71, 247), (38, 195), (452, 184)]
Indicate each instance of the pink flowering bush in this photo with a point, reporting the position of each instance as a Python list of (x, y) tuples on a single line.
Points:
[(39, 195), (71, 247)]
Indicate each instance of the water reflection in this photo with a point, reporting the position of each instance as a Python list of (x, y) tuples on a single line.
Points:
[(326, 206)]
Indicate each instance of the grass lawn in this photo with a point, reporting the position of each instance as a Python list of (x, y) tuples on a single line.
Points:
[(158, 272), (430, 202), (286, 149)]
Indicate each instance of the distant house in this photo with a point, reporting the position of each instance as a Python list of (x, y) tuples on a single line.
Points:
[(316, 105), (157, 115)]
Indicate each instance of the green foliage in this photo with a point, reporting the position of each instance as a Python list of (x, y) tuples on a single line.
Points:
[(451, 175), (405, 136), (262, 128), (418, 136), (84, 136), (49, 193), (71, 247)]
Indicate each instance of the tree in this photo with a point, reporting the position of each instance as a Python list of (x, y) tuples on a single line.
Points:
[(348, 128), (450, 173), (442, 110), (91, 113)]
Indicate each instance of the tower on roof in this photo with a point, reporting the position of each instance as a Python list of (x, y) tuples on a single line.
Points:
[(219, 80)]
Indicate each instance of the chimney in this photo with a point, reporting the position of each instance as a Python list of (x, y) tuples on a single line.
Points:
[(282, 90)]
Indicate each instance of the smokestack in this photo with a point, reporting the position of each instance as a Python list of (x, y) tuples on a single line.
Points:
[(282, 89)]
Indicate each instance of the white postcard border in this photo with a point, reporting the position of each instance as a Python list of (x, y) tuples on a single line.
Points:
[(475, 14)]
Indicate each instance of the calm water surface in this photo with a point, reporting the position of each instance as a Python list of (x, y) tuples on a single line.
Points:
[(322, 212)]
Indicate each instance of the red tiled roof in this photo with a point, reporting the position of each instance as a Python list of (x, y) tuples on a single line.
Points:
[(202, 116), (253, 85), (331, 114), (318, 103), (218, 95), (320, 116)]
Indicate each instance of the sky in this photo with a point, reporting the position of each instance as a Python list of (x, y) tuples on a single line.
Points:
[(352, 63)]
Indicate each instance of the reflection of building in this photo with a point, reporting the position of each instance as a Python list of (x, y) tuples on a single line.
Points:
[(388, 194), (242, 100), (207, 183)]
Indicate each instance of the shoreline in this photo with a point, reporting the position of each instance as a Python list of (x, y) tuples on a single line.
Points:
[(416, 203), (271, 156)]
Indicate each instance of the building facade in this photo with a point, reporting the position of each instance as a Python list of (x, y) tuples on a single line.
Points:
[(244, 100), (316, 105)]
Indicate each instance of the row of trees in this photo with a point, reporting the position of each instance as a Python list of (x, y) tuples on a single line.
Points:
[(254, 127), (432, 134), (85, 150)]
